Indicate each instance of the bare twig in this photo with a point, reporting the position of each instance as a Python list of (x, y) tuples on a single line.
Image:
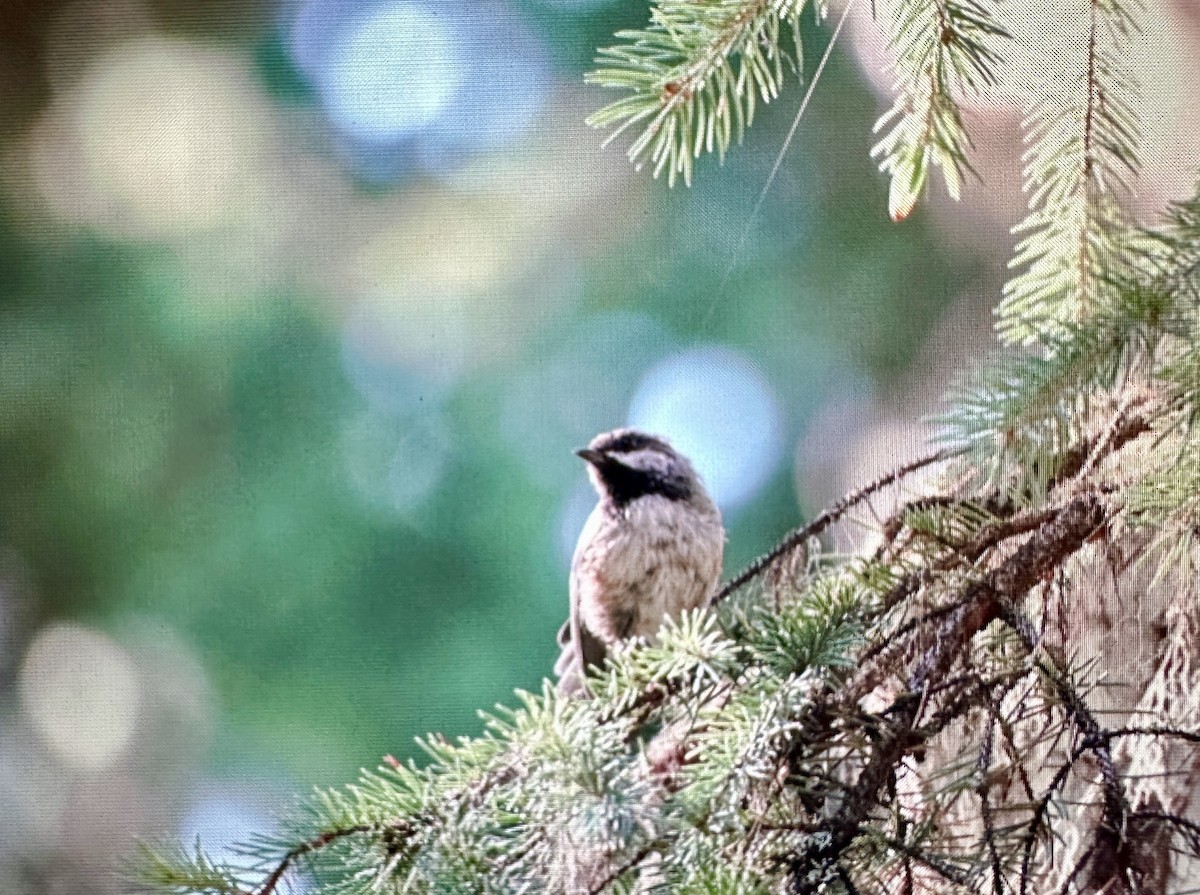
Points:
[(826, 518), (896, 733)]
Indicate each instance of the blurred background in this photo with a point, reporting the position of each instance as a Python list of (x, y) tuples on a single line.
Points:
[(304, 307)]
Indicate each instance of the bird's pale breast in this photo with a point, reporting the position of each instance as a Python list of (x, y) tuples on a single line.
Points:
[(644, 562)]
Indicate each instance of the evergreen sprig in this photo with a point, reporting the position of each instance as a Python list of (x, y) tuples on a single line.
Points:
[(557, 795), (942, 51), (695, 76), (172, 868), (1015, 418), (1082, 134)]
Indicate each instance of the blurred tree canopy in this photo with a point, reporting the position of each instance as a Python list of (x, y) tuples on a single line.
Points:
[(194, 453)]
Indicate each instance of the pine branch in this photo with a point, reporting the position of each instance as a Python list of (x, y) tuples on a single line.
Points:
[(983, 601), (1082, 133), (293, 854), (1014, 418), (695, 76), (170, 868), (797, 538), (942, 52), (778, 769), (781, 744)]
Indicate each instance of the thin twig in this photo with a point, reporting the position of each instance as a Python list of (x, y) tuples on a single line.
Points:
[(315, 844), (1115, 424), (895, 732), (826, 518), (621, 869)]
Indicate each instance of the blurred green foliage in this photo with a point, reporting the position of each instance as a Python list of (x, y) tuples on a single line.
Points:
[(180, 461)]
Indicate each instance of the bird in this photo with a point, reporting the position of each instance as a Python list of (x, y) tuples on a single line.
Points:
[(651, 549)]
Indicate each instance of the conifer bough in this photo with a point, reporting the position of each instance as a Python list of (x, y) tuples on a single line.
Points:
[(695, 75)]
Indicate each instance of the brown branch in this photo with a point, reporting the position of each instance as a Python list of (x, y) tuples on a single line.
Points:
[(897, 640), (983, 764), (1116, 807), (393, 833), (1088, 175), (1076, 461), (1060, 777), (621, 869), (1035, 821), (942, 869), (1121, 430), (1189, 828), (1190, 736), (1056, 539), (315, 844), (1090, 514), (989, 536)]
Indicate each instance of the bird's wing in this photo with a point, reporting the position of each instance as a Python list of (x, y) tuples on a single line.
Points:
[(580, 647), (566, 658), (590, 648), (574, 631), (579, 651)]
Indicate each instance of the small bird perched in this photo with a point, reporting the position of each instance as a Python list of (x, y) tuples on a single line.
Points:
[(651, 549)]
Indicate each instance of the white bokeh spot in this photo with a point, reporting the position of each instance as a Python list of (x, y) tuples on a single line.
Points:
[(392, 73), (81, 692), (716, 407)]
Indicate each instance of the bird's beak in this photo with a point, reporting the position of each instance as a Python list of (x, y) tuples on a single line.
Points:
[(593, 457)]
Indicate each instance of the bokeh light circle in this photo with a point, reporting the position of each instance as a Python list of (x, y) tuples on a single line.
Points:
[(498, 99), (170, 136), (717, 407), (419, 84), (82, 694), (221, 818), (391, 72)]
